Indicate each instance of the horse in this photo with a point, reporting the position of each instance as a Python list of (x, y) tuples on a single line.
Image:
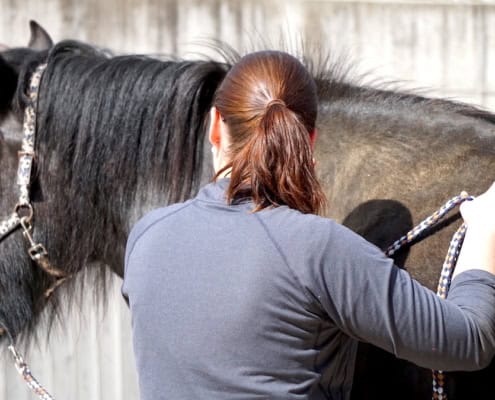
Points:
[(121, 135)]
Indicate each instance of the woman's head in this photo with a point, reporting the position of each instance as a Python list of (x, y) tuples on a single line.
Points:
[(263, 129)]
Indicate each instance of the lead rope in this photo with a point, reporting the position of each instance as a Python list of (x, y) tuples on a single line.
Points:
[(438, 382), (28, 377), (23, 368)]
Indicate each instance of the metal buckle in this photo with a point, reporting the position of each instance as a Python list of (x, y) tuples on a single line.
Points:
[(22, 153), (37, 252), (19, 207)]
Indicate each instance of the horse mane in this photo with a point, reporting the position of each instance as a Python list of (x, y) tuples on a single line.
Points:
[(123, 112), (116, 137)]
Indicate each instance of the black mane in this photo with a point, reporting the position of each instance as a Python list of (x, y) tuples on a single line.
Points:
[(122, 113), (116, 137)]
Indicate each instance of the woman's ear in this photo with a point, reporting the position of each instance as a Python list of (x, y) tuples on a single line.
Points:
[(214, 131), (312, 137)]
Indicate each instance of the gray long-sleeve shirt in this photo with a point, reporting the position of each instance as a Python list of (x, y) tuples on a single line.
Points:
[(229, 304)]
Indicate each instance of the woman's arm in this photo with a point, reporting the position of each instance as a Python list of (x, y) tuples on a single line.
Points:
[(374, 301)]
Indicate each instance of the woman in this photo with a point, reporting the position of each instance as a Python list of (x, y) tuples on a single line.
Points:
[(244, 293)]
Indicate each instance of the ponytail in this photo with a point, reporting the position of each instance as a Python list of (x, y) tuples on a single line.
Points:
[(270, 151), (276, 166)]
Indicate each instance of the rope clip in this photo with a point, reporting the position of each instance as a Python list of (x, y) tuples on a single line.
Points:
[(25, 212), (36, 250)]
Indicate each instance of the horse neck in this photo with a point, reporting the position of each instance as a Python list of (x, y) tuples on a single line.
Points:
[(375, 146)]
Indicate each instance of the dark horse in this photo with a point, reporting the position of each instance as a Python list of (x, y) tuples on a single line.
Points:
[(118, 136)]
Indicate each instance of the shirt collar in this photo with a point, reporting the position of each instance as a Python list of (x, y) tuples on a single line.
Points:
[(214, 192)]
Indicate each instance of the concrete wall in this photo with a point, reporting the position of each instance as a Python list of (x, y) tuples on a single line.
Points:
[(448, 46), (445, 47)]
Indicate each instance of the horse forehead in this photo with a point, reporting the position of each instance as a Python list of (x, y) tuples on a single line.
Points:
[(16, 56)]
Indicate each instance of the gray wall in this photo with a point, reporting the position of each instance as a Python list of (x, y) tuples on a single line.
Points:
[(444, 47)]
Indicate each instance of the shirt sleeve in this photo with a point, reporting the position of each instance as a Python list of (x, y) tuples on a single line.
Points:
[(374, 301), (140, 229)]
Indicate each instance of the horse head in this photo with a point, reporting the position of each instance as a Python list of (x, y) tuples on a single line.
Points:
[(18, 280)]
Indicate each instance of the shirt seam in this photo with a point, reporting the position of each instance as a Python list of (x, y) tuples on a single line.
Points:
[(148, 227), (237, 207)]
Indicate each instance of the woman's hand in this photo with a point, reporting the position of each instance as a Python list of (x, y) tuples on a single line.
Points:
[(479, 213), (478, 249)]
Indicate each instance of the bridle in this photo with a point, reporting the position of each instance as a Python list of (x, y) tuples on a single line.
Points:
[(22, 218)]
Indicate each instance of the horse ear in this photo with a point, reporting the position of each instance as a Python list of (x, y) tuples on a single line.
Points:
[(40, 39)]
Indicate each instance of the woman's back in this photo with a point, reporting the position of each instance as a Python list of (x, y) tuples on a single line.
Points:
[(215, 283)]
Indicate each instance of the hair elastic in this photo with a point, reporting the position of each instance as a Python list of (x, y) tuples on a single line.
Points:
[(275, 101)]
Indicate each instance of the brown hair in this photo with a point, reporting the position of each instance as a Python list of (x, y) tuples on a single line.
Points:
[(269, 103)]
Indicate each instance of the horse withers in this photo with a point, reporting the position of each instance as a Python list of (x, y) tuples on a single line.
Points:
[(118, 136)]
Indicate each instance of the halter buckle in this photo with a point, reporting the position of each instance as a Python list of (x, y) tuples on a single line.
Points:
[(37, 252), (24, 211), (22, 153)]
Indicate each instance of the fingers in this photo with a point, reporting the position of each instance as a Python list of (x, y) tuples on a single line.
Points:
[(480, 212), (465, 210)]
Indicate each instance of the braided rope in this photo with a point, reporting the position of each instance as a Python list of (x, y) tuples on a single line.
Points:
[(427, 223), (438, 381), (28, 377)]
